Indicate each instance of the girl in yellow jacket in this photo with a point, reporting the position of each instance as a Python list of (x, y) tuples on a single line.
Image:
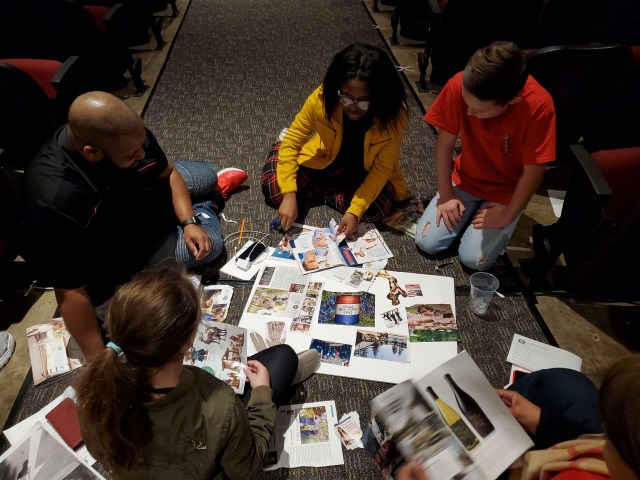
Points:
[(343, 147)]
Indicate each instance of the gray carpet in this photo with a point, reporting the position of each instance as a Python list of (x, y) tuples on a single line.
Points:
[(238, 73)]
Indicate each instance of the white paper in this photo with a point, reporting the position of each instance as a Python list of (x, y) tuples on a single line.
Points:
[(15, 433), (305, 436), (41, 455), (20, 429), (420, 357), (230, 268), (532, 355), (556, 197)]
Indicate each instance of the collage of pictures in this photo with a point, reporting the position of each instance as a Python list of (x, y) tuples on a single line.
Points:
[(219, 348), (387, 319)]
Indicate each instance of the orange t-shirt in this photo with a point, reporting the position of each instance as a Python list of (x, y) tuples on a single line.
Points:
[(494, 150)]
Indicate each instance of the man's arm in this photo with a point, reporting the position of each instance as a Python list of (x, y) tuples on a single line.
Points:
[(499, 216), (197, 240), (450, 208), (80, 319)]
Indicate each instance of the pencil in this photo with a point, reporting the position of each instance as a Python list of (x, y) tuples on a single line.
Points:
[(244, 219)]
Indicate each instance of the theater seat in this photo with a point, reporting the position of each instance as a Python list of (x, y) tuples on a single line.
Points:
[(58, 29), (582, 79), (61, 82), (598, 230), (27, 116)]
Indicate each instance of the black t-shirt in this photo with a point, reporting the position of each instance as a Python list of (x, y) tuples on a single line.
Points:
[(94, 225), (349, 162)]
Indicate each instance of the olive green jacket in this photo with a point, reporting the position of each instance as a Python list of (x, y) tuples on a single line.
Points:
[(203, 431)]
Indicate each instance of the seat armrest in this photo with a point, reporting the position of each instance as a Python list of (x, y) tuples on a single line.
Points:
[(434, 7), (64, 70), (591, 170)]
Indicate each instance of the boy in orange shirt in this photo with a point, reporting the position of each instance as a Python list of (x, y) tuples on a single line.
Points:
[(507, 123)]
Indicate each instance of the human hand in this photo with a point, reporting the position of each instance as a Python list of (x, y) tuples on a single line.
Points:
[(492, 215), (450, 212), (288, 211), (197, 240), (524, 411), (348, 224), (411, 471), (257, 374)]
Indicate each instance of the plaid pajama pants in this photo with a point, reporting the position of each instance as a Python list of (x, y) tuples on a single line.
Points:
[(323, 187)]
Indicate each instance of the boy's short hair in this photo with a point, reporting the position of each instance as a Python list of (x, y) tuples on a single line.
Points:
[(496, 72)]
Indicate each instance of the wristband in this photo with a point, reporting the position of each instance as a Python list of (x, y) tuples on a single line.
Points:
[(190, 221)]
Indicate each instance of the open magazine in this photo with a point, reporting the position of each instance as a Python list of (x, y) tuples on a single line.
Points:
[(221, 350), (405, 216), (41, 455), (451, 422), (305, 437), (324, 248), (52, 350)]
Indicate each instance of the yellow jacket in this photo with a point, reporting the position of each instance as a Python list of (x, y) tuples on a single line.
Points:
[(314, 142)]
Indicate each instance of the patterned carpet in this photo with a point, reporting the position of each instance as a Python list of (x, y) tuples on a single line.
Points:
[(238, 73)]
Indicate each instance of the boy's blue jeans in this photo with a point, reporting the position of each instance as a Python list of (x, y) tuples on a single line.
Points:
[(479, 248)]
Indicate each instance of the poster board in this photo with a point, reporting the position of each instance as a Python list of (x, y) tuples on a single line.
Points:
[(420, 357)]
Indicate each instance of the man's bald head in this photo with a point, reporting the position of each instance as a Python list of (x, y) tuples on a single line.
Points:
[(100, 124), (96, 117)]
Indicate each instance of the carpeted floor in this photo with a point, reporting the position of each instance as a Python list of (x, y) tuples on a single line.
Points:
[(238, 73)]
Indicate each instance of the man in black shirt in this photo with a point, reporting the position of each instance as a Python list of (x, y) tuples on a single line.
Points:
[(102, 201)]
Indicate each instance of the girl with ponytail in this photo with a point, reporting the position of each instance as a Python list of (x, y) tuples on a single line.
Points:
[(143, 413)]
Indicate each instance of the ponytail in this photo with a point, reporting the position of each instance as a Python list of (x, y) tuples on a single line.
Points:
[(114, 420), (151, 318)]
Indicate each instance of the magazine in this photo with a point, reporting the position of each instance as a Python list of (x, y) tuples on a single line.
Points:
[(305, 437), (324, 248), (39, 454), (283, 249), (405, 217), (23, 428), (451, 422), (221, 350), (52, 350), (214, 302), (278, 291)]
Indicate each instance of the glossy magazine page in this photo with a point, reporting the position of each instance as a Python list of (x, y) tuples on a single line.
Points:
[(451, 422)]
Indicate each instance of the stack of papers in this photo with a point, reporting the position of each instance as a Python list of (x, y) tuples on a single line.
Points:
[(527, 355)]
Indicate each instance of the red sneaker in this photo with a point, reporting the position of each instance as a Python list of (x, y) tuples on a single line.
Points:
[(229, 179)]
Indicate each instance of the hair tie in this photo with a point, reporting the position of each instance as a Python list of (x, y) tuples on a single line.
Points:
[(115, 348)]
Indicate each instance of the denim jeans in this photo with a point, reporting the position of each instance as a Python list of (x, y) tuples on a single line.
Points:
[(479, 247), (201, 179)]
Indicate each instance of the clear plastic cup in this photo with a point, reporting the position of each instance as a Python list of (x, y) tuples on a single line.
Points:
[(483, 286)]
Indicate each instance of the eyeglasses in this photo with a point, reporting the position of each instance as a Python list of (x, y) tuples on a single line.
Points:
[(347, 101)]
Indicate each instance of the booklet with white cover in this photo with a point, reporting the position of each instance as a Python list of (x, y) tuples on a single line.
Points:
[(531, 355)]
